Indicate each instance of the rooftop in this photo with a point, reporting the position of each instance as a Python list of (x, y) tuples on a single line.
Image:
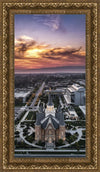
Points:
[(75, 87), (21, 94), (67, 99)]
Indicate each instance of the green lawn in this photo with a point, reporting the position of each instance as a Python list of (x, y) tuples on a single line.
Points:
[(71, 138), (30, 138), (31, 116)]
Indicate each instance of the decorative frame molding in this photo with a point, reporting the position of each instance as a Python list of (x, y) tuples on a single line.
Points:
[(8, 9)]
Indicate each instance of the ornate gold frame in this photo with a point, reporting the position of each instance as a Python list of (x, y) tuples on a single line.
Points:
[(8, 9)]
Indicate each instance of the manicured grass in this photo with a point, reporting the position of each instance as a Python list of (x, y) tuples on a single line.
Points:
[(44, 98), (40, 143), (84, 134), (28, 123), (78, 145), (20, 117), (71, 138), (31, 116), (30, 138), (21, 145)]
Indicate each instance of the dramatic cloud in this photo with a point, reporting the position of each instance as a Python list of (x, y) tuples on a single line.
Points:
[(30, 54), (23, 44), (63, 53)]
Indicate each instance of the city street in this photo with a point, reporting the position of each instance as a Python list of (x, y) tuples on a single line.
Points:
[(37, 94)]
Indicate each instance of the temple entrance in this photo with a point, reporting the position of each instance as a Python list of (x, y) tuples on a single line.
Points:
[(50, 137), (50, 140)]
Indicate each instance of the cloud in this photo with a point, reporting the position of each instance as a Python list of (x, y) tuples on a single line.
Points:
[(63, 54), (52, 21), (23, 44), (31, 54)]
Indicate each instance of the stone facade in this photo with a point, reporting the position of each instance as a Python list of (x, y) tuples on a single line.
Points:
[(37, 132), (49, 133), (62, 132)]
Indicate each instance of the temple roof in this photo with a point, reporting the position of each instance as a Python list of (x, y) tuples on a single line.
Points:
[(39, 116), (41, 109), (60, 116), (50, 120), (55, 121)]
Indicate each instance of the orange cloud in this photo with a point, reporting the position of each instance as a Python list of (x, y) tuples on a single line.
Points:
[(29, 54)]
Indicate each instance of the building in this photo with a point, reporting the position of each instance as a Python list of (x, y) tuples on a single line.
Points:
[(22, 94), (83, 109), (75, 94), (49, 126)]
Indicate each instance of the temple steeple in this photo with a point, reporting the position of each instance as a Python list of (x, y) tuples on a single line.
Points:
[(50, 102), (50, 106)]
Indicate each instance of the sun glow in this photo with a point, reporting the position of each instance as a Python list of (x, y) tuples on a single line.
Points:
[(34, 52)]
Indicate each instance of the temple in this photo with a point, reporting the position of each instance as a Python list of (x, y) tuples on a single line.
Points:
[(49, 126)]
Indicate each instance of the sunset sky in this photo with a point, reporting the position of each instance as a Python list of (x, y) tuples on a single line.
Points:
[(49, 43)]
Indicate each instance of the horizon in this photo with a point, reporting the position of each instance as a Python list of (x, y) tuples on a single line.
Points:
[(63, 69)]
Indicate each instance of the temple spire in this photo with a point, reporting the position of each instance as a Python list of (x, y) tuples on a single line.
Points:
[(50, 103)]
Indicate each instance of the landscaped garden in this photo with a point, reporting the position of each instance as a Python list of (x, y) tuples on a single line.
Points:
[(71, 137), (30, 138)]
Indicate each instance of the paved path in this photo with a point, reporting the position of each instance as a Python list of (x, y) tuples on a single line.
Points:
[(31, 144), (31, 131), (71, 120), (18, 126)]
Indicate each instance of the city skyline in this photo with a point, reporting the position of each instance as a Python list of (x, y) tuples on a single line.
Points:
[(48, 43)]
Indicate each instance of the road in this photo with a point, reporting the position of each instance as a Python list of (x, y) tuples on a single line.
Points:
[(49, 155), (37, 94), (32, 105), (29, 150)]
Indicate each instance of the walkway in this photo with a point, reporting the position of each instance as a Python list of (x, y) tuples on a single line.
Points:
[(31, 144)]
